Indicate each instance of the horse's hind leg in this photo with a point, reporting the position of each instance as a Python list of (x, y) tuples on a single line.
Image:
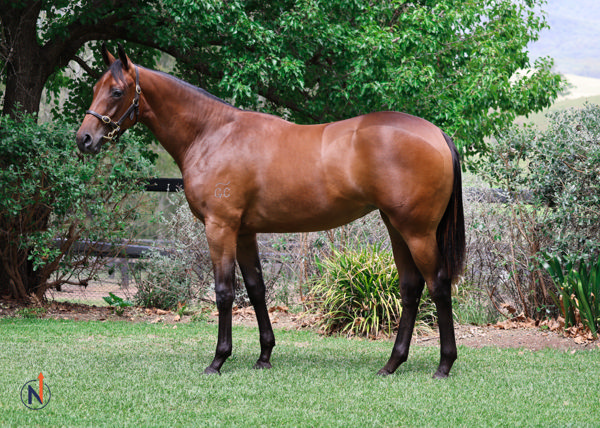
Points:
[(417, 257), (411, 287), (249, 262), (425, 252)]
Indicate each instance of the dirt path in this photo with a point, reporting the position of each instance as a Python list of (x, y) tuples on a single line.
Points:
[(78, 303)]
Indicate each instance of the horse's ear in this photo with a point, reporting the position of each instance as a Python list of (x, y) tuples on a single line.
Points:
[(123, 56), (106, 55)]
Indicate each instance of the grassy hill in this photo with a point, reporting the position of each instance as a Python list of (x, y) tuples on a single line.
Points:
[(580, 90)]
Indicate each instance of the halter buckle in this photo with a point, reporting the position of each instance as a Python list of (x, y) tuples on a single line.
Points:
[(111, 135)]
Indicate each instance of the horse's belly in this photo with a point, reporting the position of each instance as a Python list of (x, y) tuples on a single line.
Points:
[(303, 216)]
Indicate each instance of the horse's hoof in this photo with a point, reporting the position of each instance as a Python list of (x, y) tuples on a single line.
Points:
[(384, 372), (211, 371), (440, 375), (262, 365)]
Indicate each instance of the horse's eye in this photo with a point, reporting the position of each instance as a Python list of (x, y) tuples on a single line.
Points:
[(117, 93)]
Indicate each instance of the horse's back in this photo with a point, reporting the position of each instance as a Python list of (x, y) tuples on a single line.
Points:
[(393, 131), (390, 158)]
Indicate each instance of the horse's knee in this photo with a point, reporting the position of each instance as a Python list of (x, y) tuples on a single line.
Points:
[(224, 298)]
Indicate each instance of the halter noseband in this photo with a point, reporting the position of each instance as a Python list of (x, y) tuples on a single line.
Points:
[(133, 108)]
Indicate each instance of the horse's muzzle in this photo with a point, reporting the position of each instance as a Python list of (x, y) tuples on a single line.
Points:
[(86, 143)]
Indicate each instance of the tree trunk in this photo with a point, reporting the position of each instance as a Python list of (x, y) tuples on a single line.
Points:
[(18, 279), (26, 74), (26, 68)]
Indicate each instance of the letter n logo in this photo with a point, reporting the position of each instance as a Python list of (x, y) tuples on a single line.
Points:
[(35, 395)]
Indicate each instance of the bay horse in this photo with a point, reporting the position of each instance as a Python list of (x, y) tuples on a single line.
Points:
[(246, 173)]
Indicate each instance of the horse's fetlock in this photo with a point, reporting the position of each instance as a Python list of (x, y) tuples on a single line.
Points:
[(224, 351), (449, 356), (268, 341)]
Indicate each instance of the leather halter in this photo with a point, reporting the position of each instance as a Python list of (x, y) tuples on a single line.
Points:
[(133, 109)]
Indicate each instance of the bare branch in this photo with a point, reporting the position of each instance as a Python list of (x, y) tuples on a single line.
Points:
[(89, 70)]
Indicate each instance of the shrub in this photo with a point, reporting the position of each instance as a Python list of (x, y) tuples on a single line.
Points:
[(51, 197), (550, 184), (181, 271), (167, 282), (118, 304), (357, 292)]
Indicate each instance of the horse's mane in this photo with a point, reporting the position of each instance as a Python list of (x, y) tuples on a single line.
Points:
[(195, 88), (116, 69)]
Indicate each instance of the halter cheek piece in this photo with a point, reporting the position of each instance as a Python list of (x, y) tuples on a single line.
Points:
[(133, 109)]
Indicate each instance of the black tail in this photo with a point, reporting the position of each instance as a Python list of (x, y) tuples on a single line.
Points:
[(451, 230)]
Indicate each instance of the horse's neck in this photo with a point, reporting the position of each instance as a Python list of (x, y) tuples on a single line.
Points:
[(178, 114)]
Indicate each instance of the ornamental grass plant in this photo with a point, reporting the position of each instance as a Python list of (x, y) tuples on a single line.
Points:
[(357, 293)]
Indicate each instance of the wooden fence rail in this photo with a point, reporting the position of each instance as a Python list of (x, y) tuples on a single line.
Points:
[(164, 185)]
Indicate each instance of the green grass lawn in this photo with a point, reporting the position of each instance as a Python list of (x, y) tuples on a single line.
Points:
[(125, 374)]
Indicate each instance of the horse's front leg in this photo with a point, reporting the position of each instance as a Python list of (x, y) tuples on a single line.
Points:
[(222, 246), (249, 262)]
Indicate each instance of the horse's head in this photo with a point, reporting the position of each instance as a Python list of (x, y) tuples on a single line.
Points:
[(116, 95)]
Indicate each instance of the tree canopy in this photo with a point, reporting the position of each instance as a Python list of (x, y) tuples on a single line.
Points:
[(463, 65)]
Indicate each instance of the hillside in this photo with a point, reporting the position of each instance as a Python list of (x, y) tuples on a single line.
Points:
[(580, 90), (574, 28)]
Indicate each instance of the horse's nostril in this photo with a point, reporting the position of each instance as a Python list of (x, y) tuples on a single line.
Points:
[(87, 141)]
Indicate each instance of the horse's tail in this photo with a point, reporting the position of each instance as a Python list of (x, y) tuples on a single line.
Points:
[(451, 230)]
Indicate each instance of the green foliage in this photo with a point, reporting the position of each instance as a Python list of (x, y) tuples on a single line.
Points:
[(357, 292), (550, 181), (50, 197), (117, 303), (560, 168), (578, 283), (458, 64)]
